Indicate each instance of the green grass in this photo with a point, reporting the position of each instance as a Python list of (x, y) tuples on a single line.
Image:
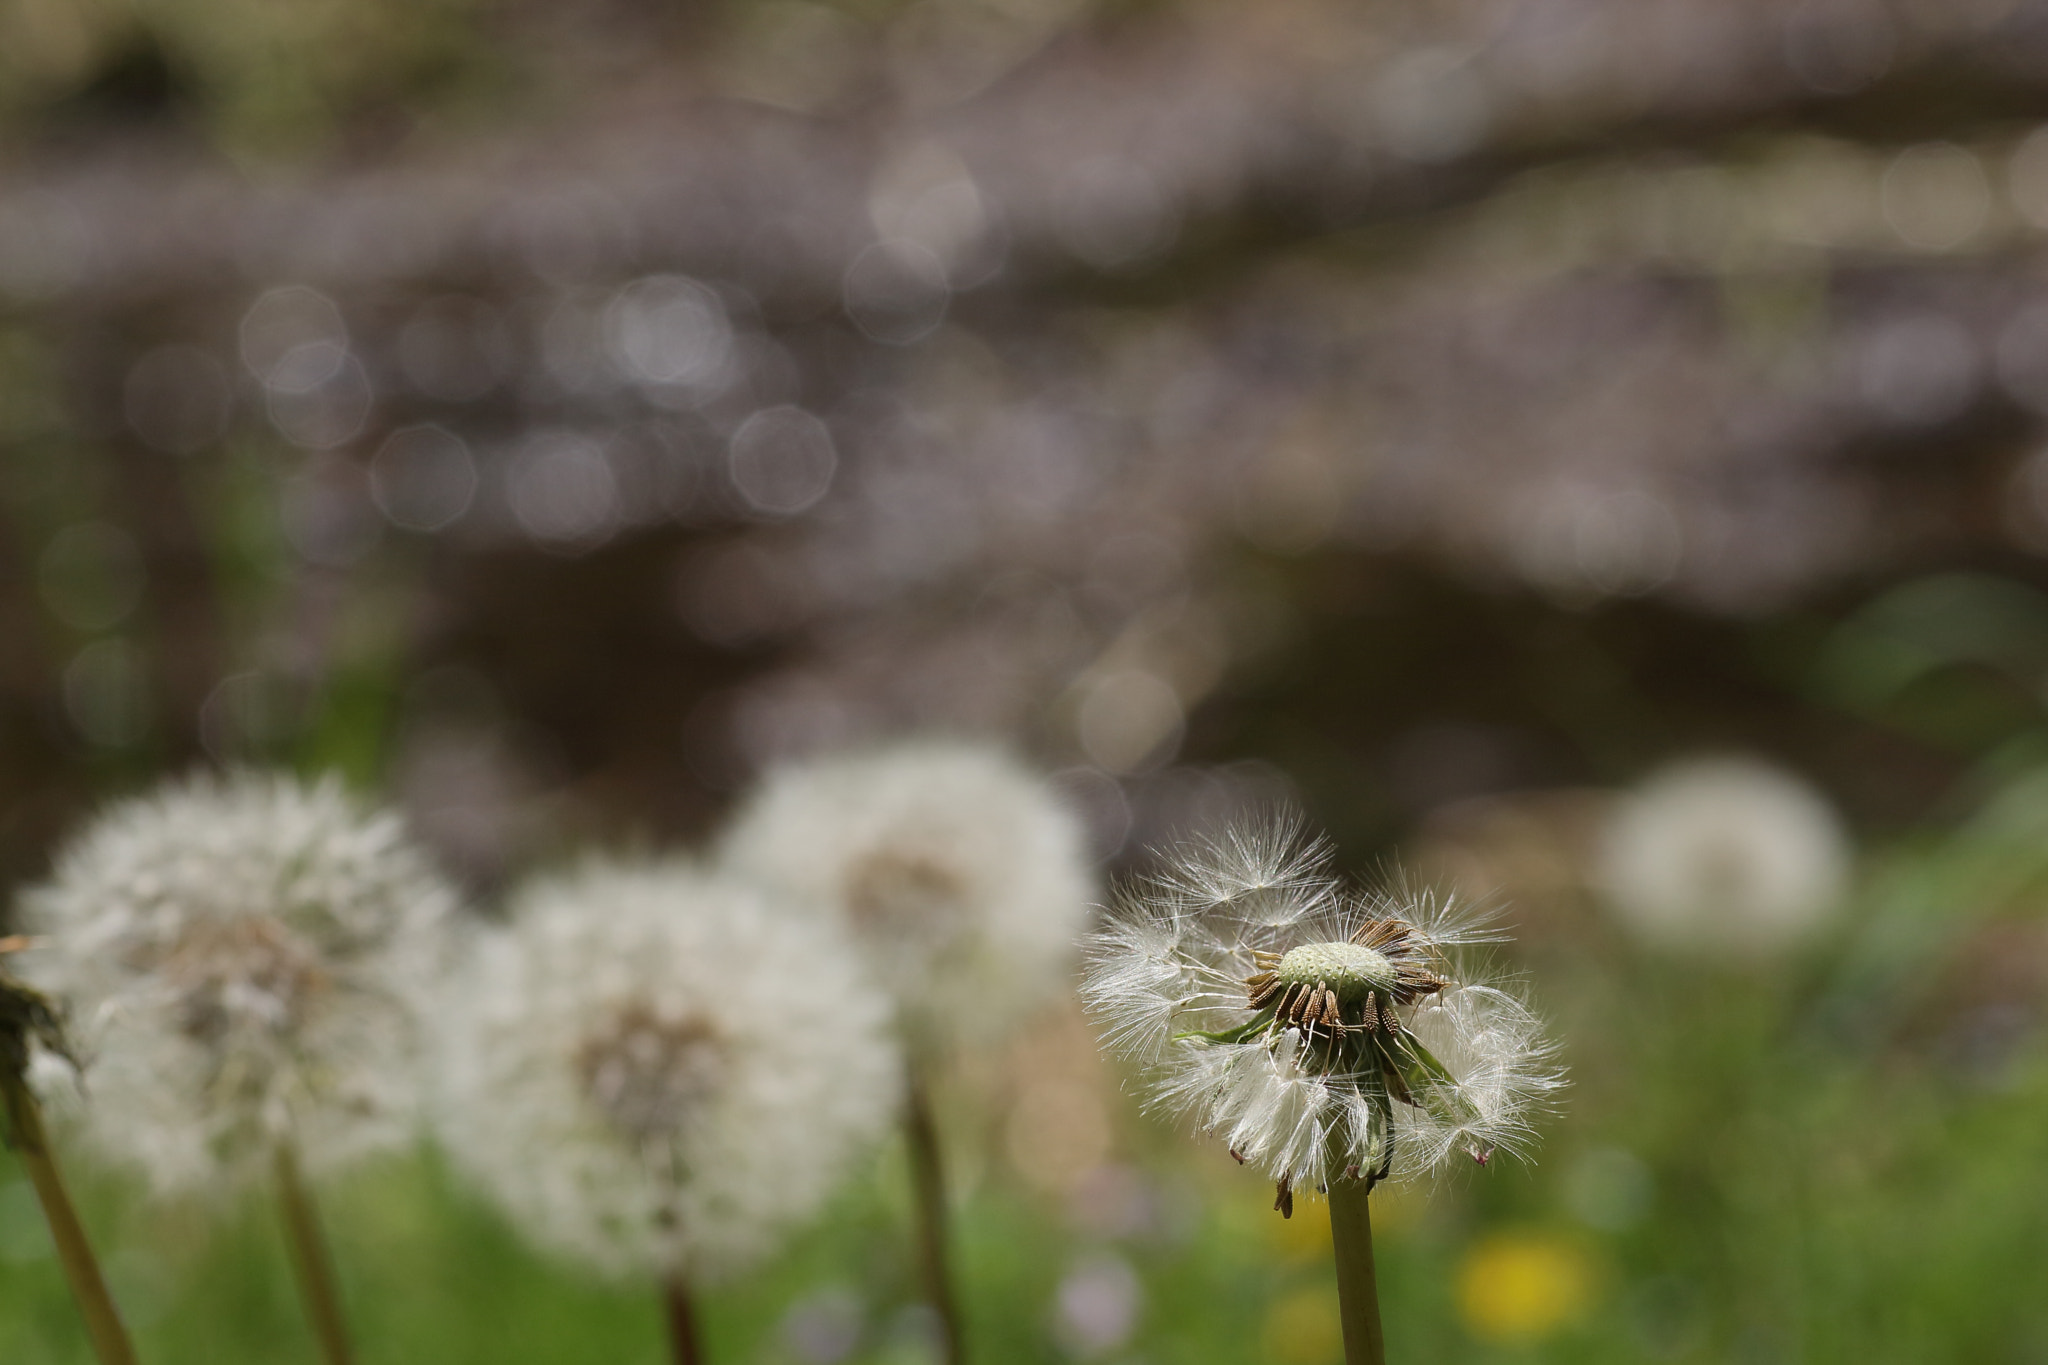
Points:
[(1798, 1209)]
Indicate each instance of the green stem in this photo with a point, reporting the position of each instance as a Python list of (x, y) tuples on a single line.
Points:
[(685, 1347), (1358, 1291), (310, 1261), (81, 1269), (928, 1188)]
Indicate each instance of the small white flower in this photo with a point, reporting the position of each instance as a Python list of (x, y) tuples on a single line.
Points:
[(656, 1070), (1318, 1030), (243, 957), (1730, 856), (960, 874)]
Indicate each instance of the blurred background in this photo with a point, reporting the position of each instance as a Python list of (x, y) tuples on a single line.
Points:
[(1447, 415)]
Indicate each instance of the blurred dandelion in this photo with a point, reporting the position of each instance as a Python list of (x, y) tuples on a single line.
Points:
[(1333, 1037), (659, 1072), (958, 871), (964, 881), (246, 955), (1727, 856)]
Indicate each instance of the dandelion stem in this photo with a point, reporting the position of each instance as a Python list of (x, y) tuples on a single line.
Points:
[(24, 1131), (928, 1188), (310, 1261), (684, 1346), (1358, 1292)]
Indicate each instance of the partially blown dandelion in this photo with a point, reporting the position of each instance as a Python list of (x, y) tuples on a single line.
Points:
[(659, 1072), (1334, 1038), (245, 956)]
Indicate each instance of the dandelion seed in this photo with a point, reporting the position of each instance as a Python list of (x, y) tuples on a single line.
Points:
[(659, 1072), (1731, 857)]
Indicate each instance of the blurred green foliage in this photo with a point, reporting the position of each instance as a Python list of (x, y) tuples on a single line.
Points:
[(262, 79)]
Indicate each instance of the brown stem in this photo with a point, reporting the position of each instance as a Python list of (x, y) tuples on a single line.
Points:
[(685, 1347), (24, 1129), (310, 1261), (1358, 1292), (928, 1189)]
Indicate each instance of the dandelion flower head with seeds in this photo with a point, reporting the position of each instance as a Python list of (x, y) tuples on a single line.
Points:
[(243, 958), (958, 870), (1725, 856), (1319, 1030), (656, 1070)]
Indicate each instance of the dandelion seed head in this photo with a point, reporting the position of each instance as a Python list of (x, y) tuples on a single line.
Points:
[(962, 877), (652, 1068), (1316, 1029), (1728, 856), (244, 958)]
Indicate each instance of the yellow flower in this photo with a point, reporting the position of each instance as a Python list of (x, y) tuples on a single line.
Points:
[(1521, 1286)]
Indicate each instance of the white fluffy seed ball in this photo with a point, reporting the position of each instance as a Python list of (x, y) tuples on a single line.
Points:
[(957, 869), (652, 1069), (1729, 856), (244, 958)]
